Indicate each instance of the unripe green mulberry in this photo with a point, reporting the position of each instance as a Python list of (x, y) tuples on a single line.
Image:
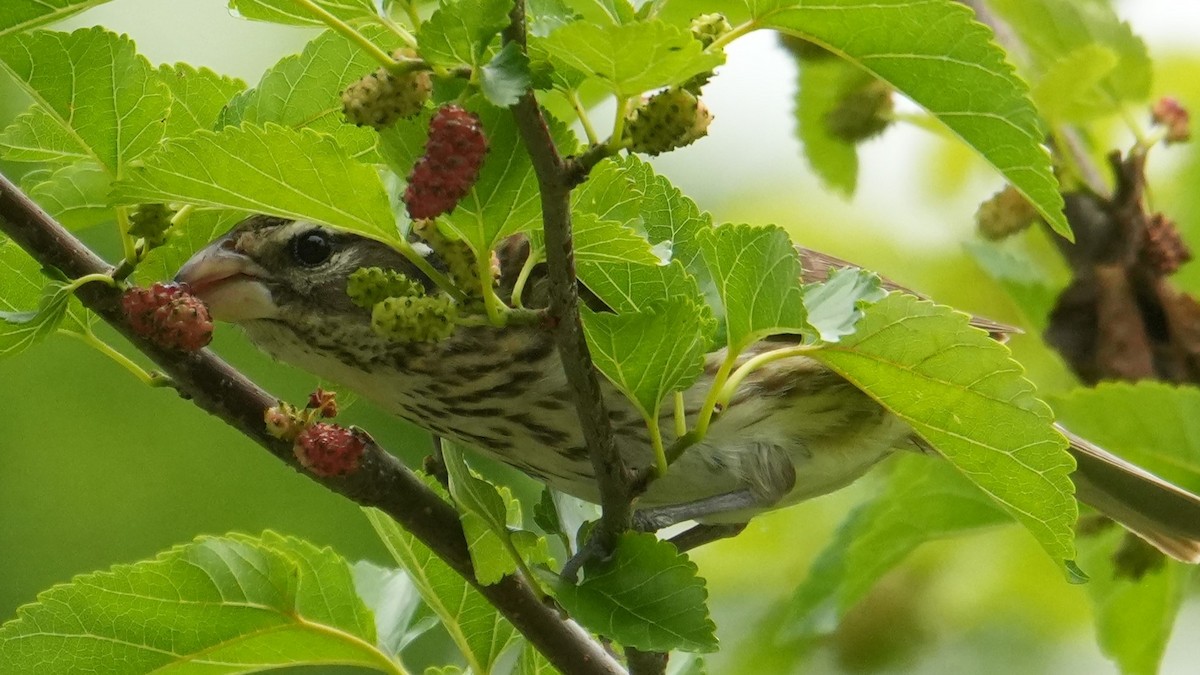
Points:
[(382, 97), (668, 120), (414, 319), (708, 27), (151, 222), (456, 254), (862, 113), (1004, 214), (368, 286)]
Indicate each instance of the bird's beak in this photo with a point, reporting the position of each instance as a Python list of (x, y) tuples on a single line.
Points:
[(229, 282)]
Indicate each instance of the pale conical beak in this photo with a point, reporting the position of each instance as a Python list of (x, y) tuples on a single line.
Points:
[(230, 283)]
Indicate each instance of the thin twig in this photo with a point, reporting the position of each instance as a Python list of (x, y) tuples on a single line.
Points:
[(555, 181), (381, 480)]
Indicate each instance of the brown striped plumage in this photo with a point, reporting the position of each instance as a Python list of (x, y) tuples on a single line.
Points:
[(794, 429)]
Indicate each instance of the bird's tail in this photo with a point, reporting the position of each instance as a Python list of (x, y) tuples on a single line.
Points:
[(1163, 514)]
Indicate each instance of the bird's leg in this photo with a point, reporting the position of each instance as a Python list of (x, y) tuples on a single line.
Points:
[(699, 535), (654, 519)]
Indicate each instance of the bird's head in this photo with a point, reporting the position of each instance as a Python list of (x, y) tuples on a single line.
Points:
[(286, 280)]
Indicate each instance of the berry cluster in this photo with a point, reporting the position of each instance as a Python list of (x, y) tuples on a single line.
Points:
[(323, 448), (1163, 247), (668, 120), (368, 286), (415, 319), (382, 97), (1004, 214), (453, 156), (862, 113), (151, 222), (168, 315)]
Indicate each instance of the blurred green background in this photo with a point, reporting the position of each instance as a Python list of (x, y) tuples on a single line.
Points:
[(96, 469)]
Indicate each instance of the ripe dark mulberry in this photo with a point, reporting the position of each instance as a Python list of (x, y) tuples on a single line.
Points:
[(329, 450), (168, 315), (453, 156)]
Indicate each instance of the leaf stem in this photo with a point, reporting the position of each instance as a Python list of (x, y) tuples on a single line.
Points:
[(128, 245), (737, 32), (89, 338), (617, 140), (581, 113), (491, 303), (89, 278), (656, 442), (523, 278), (680, 415), (399, 30), (182, 214), (347, 31), (755, 363), (710, 402)]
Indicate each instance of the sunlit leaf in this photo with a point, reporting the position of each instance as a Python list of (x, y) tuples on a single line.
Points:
[(95, 86), (920, 48), (631, 58), (20, 15), (757, 273), (835, 305), (290, 12), (76, 195), (962, 392), (284, 172), (459, 32), (394, 602), (647, 595), (304, 90), (475, 626), (197, 97), (227, 605)]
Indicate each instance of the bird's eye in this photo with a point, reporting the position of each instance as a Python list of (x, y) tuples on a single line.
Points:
[(311, 248)]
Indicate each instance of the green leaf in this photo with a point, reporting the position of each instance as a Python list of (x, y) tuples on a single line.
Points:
[(547, 16), (1153, 425), (757, 273), (836, 305), (604, 11), (22, 15), (96, 87), (475, 626), (962, 392), (394, 602), (1056, 33), (183, 240), (924, 500), (920, 47), (36, 136), (650, 353), (283, 172), (76, 195), (648, 595), (485, 517), (20, 330), (506, 76), (459, 32), (1068, 90), (1134, 617), (631, 58), (823, 83), (290, 12), (226, 605), (545, 514), (197, 97), (304, 90)]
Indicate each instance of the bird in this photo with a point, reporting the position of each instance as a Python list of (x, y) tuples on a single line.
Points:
[(794, 429)]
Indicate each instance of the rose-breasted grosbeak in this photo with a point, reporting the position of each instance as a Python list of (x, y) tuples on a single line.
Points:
[(793, 431)]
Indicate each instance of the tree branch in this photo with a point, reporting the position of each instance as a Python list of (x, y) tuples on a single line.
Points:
[(556, 177), (381, 481)]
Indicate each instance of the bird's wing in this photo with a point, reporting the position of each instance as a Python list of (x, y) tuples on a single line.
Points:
[(818, 266)]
